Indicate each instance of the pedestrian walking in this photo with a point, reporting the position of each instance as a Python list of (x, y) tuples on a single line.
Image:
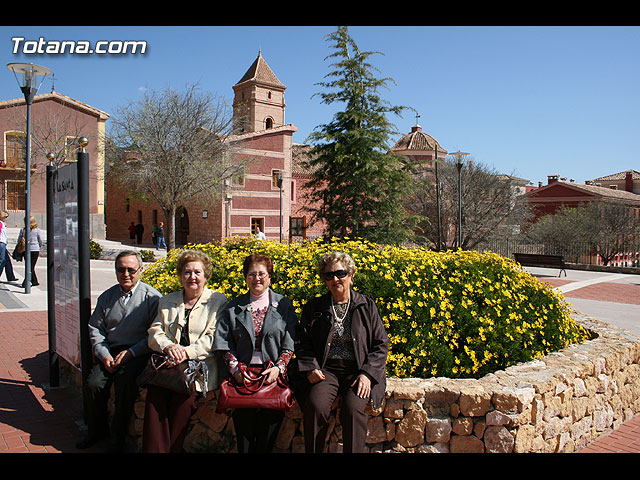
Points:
[(160, 237), (35, 244), (132, 232), (5, 258), (139, 232)]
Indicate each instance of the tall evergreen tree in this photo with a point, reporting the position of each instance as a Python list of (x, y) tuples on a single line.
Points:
[(357, 186)]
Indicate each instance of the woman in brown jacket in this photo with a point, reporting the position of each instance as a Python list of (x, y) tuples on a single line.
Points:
[(341, 349)]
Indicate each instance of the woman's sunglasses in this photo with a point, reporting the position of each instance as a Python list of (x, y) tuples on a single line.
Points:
[(338, 274)]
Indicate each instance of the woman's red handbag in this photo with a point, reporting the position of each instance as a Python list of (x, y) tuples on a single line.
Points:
[(254, 393)]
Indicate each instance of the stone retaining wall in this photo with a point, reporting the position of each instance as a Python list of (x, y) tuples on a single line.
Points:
[(559, 403)]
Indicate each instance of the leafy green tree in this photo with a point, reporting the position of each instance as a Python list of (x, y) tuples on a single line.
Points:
[(357, 186), (608, 228)]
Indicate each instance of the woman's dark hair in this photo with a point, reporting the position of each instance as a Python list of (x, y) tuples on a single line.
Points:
[(257, 258)]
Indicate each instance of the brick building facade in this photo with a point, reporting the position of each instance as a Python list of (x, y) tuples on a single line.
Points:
[(56, 123)]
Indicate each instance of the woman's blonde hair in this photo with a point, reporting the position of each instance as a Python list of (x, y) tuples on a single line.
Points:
[(195, 256), (335, 257), (32, 220)]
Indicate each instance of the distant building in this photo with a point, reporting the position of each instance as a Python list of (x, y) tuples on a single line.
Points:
[(421, 150), (548, 199), (56, 123), (519, 185), (629, 181)]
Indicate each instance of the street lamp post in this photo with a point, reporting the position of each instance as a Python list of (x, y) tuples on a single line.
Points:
[(279, 179), (29, 73), (438, 202), (458, 156)]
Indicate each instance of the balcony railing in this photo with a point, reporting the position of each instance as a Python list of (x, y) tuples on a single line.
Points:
[(15, 157)]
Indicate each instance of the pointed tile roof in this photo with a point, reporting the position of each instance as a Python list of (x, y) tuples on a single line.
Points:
[(260, 72), (417, 141)]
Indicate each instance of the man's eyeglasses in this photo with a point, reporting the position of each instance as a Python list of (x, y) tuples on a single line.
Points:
[(129, 270), (258, 274), (338, 274)]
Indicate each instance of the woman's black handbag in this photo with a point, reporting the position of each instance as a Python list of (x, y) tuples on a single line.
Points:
[(180, 378), (16, 255)]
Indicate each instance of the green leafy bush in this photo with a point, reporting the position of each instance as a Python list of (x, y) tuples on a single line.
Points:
[(95, 249), (147, 255), (457, 314)]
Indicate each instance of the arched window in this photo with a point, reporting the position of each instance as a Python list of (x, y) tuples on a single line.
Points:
[(268, 123)]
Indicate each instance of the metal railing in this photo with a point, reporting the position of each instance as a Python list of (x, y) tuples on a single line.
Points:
[(577, 252)]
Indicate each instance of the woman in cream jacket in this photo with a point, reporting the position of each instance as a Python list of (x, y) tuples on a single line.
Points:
[(183, 330)]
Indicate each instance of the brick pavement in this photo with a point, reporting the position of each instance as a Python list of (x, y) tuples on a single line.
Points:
[(625, 439), (33, 417), (628, 293)]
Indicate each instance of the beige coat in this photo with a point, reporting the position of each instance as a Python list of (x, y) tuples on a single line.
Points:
[(167, 327)]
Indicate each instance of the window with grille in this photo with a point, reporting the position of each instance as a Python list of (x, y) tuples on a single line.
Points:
[(15, 150), (15, 195), (257, 223), (298, 226)]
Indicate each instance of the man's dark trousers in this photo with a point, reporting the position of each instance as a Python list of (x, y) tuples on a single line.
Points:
[(126, 393)]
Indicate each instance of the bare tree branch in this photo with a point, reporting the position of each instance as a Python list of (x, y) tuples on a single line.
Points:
[(173, 147)]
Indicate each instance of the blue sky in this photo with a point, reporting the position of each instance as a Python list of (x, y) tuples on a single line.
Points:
[(525, 100)]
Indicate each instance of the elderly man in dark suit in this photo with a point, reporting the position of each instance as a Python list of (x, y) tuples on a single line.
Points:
[(118, 333)]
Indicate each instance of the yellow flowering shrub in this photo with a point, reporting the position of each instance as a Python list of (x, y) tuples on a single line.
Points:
[(459, 314)]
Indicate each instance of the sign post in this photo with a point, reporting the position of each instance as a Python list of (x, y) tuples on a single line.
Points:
[(68, 263)]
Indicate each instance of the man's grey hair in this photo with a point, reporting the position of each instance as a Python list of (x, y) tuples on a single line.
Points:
[(129, 253)]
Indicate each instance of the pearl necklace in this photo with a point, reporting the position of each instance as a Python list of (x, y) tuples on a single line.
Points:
[(339, 324)]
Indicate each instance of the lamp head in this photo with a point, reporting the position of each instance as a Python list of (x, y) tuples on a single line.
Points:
[(28, 74)]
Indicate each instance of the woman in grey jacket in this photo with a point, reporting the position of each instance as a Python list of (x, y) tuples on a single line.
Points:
[(35, 244), (257, 330)]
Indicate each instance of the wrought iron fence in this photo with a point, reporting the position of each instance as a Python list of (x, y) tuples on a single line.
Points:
[(573, 253)]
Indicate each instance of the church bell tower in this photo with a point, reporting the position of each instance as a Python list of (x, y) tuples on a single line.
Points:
[(258, 102)]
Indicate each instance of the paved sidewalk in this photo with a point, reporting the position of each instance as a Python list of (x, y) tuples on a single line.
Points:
[(626, 439), (33, 417)]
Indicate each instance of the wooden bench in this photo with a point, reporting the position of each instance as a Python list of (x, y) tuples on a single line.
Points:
[(539, 260)]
